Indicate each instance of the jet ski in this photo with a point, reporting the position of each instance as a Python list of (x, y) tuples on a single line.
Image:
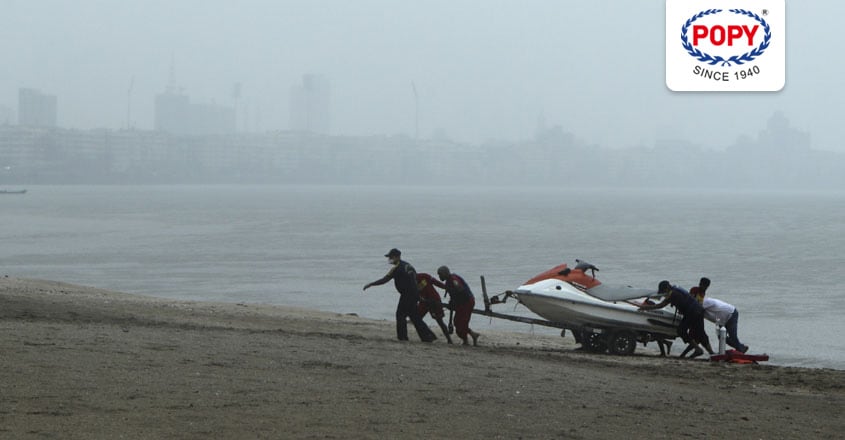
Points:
[(601, 317)]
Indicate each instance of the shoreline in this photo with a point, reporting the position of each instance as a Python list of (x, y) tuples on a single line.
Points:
[(80, 362)]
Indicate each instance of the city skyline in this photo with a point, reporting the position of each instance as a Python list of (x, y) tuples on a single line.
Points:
[(553, 157), (480, 73), (175, 113)]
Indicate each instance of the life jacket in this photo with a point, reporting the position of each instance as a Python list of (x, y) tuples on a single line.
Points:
[(458, 289)]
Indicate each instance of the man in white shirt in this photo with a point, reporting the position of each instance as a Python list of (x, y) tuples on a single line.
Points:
[(724, 314)]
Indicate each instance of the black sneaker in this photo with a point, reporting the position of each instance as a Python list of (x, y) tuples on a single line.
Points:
[(696, 354)]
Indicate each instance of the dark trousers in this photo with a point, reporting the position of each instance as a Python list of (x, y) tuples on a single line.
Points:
[(691, 328), (732, 338), (407, 308)]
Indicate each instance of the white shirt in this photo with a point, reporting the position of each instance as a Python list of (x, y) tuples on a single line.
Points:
[(717, 311)]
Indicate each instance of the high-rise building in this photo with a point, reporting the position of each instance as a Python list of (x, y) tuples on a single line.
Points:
[(36, 109), (7, 116), (174, 113), (310, 105), (171, 112)]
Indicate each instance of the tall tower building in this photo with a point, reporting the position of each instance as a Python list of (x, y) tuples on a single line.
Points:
[(172, 112), (7, 116), (36, 109), (176, 114), (310, 105)]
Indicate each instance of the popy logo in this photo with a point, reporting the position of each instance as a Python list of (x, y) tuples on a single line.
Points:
[(734, 32), (725, 48), (718, 34)]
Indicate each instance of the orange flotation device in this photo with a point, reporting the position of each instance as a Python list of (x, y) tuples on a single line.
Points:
[(738, 357)]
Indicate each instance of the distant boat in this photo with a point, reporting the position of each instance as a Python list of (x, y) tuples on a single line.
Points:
[(14, 191)]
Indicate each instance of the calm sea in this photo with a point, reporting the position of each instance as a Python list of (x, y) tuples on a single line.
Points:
[(779, 257)]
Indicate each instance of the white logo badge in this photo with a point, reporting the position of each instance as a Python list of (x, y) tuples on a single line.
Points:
[(725, 45)]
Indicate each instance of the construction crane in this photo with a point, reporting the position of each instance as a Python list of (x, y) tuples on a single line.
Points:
[(129, 103)]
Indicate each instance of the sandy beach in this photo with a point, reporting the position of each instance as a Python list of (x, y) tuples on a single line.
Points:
[(80, 362)]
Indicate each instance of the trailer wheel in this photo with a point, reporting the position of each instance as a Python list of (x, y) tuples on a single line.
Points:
[(594, 342), (622, 342)]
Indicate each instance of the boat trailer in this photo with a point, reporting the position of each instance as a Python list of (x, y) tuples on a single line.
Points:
[(592, 339)]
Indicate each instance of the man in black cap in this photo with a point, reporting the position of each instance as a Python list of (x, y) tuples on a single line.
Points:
[(405, 279)]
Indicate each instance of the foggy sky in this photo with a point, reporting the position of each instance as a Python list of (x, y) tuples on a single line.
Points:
[(483, 70)]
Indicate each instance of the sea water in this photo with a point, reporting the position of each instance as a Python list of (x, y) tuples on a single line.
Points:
[(778, 257)]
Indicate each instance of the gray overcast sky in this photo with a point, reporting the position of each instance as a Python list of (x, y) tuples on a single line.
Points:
[(483, 69)]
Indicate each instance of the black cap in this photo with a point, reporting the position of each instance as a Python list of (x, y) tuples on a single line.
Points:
[(393, 253)]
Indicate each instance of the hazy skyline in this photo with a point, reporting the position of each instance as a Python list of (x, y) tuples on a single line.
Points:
[(483, 71)]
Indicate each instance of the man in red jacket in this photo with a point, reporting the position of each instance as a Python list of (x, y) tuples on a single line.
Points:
[(430, 301), (461, 301)]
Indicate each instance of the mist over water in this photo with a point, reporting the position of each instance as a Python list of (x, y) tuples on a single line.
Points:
[(776, 256)]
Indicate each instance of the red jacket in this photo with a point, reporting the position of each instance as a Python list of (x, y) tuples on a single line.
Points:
[(458, 290), (425, 284)]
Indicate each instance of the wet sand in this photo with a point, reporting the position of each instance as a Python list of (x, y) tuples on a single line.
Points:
[(79, 362)]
